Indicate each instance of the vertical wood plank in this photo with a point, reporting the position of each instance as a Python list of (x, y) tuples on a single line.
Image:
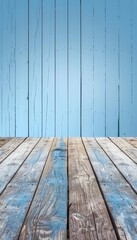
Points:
[(35, 80), (112, 68), (99, 68), (48, 68), (8, 68), (74, 67), (21, 68), (87, 68), (88, 216), (61, 68), (125, 67), (1, 32), (47, 216), (134, 68)]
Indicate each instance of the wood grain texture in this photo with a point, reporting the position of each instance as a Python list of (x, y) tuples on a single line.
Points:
[(8, 68), (35, 73), (68, 68), (3, 141), (9, 147), (120, 198), (112, 66), (87, 57), (13, 162), (125, 67), (132, 141), (125, 165), (17, 197), (126, 147), (99, 68), (74, 72), (88, 216), (22, 69), (48, 68), (61, 117), (47, 217)]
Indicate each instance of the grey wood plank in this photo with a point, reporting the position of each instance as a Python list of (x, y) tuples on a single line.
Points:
[(47, 216), (9, 147), (88, 216), (16, 199), (126, 147), (120, 198), (12, 163), (131, 140), (125, 165), (4, 141)]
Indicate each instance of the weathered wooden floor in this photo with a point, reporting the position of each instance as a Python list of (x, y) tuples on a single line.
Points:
[(68, 188)]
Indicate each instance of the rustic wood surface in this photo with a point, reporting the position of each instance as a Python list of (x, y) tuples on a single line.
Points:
[(75, 188)]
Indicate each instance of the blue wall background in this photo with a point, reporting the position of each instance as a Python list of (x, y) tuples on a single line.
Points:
[(68, 67)]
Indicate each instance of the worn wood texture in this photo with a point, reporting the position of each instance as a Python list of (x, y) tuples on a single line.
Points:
[(16, 198), (88, 216), (68, 68), (125, 165), (119, 196), (13, 162), (77, 188), (9, 147), (3, 141), (126, 147), (47, 217)]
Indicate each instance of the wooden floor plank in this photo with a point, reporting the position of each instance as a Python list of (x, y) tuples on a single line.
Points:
[(3, 141), (47, 217), (88, 216), (132, 141), (17, 197), (9, 147), (120, 198), (126, 147), (13, 162), (126, 166)]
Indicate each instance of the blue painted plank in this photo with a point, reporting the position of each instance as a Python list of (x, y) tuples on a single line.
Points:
[(48, 69), (99, 68), (112, 80), (74, 72), (21, 190), (1, 30), (125, 67), (21, 68), (35, 76), (87, 68), (47, 216), (61, 68), (8, 68), (134, 69)]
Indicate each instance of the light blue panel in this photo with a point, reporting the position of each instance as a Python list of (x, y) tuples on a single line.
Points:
[(61, 68), (1, 32), (48, 68), (125, 68), (99, 67), (21, 68), (87, 68), (8, 68), (35, 76), (134, 69), (74, 68), (112, 68)]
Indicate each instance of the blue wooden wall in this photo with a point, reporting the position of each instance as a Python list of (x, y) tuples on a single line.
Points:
[(68, 67)]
